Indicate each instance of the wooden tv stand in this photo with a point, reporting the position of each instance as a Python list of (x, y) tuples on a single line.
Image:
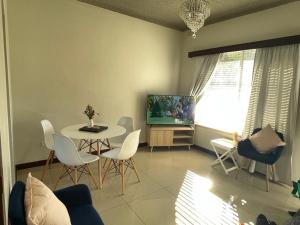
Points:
[(170, 136)]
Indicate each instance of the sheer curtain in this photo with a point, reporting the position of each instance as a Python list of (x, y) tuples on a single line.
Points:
[(273, 99), (204, 66)]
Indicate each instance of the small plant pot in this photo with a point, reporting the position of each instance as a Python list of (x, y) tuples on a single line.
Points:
[(91, 123)]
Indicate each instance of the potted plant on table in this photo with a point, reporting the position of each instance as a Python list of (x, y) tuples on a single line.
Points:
[(90, 113)]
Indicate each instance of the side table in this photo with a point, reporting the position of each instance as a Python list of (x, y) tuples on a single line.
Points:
[(224, 149)]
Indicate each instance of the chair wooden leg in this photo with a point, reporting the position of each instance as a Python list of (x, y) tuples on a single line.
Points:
[(275, 176), (92, 176), (106, 171), (99, 165), (90, 146), (75, 175), (59, 177), (108, 143), (46, 166), (52, 158), (121, 163), (105, 163), (267, 179), (100, 173), (135, 170)]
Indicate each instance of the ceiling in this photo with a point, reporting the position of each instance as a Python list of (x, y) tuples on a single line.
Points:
[(165, 12)]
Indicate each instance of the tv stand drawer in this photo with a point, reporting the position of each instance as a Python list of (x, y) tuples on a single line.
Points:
[(161, 138)]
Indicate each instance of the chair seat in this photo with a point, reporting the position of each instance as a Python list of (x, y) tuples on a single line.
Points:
[(246, 149), (88, 158), (112, 154), (84, 214)]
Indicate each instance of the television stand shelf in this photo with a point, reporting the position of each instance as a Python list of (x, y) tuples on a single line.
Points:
[(170, 136)]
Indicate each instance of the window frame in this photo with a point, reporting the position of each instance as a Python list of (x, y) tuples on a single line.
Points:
[(207, 125)]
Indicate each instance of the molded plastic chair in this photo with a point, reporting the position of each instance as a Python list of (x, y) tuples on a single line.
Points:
[(127, 123), (246, 149), (72, 160), (48, 140), (120, 156)]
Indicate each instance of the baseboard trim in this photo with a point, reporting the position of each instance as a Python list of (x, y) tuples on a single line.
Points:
[(23, 166), (197, 147), (143, 144), (33, 164)]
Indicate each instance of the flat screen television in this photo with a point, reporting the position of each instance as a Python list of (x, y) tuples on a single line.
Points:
[(170, 110)]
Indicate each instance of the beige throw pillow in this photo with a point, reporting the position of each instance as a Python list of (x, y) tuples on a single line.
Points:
[(266, 140), (42, 207)]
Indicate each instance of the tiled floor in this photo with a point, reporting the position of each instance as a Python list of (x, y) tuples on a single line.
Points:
[(179, 186)]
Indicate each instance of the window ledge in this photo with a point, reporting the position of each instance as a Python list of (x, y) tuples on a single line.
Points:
[(214, 129)]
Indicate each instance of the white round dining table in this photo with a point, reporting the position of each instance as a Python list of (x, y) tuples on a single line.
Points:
[(90, 138), (73, 132)]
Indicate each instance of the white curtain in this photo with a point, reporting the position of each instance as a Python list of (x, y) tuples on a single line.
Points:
[(204, 67), (273, 95)]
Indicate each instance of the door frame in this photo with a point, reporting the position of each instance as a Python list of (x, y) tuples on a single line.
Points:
[(7, 169)]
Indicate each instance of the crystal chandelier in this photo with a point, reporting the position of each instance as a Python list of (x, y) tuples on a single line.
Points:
[(194, 13)]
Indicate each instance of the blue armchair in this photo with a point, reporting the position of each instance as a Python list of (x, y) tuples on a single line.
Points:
[(246, 149), (77, 200)]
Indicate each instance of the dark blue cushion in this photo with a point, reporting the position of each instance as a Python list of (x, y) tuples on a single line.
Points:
[(246, 149), (74, 196), (16, 211), (84, 215)]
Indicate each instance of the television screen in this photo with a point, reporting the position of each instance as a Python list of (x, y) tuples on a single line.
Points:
[(170, 109)]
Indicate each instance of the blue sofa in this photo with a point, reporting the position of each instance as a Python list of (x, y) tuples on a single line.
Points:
[(77, 200)]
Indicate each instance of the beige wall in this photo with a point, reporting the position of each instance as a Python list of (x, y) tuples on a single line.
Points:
[(66, 54), (276, 22)]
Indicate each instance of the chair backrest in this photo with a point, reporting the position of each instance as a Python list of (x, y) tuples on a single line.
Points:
[(16, 208), (127, 123), (66, 151), (48, 132), (130, 145)]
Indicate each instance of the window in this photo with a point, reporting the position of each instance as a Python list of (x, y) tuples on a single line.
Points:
[(224, 103)]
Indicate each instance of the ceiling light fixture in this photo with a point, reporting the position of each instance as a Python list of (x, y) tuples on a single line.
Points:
[(194, 13)]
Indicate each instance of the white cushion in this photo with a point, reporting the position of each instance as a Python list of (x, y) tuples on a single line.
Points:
[(42, 207), (266, 140)]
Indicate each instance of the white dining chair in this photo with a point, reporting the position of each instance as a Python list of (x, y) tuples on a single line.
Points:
[(127, 123), (72, 160), (123, 156), (48, 142)]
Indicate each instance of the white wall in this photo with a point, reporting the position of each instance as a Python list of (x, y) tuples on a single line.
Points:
[(66, 54), (272, 23)]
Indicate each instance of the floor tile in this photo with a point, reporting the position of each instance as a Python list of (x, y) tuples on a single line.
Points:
[(155, 208), (120, 215)]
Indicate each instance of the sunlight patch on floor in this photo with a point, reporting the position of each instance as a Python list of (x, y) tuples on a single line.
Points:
[(195, 204)]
